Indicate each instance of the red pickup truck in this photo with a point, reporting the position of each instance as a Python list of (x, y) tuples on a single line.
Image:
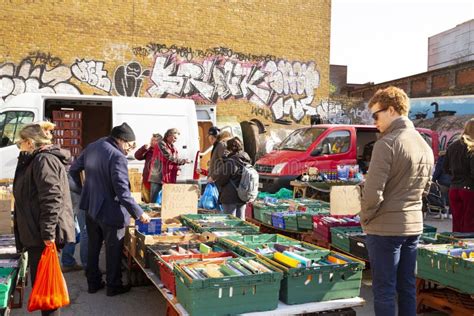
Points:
[(325, 147)]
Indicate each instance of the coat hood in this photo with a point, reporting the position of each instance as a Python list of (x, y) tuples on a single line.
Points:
[(63, 155)]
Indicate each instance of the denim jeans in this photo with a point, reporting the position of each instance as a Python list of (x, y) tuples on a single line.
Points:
[(234, 209), (155, 188), (83, 238), (392, 262), (67, 254)]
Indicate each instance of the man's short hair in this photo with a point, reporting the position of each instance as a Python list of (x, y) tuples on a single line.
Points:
[(391, 97)]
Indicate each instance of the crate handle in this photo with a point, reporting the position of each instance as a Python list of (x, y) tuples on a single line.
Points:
[(360, 244)]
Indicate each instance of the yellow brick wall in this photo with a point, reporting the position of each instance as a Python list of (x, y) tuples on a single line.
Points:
[(86, 46)]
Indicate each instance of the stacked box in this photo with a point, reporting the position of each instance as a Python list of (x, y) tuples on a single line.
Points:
[(340, 236), (305, 219), (445, 265), (230, 294), (213, 223)]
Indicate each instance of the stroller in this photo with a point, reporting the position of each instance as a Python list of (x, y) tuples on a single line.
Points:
[(433, 203)]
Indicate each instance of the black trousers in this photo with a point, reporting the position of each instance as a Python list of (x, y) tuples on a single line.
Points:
[(34, 256), (98, 233)]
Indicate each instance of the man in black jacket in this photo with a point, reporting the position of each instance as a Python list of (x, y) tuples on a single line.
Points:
[(106, 197)]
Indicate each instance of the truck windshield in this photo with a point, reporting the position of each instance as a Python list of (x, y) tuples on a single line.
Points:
[(301, 139)]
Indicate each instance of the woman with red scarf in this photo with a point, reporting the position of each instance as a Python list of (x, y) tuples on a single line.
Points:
[(165, 163)]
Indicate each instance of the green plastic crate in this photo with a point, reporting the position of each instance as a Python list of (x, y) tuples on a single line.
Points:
[(429, 238), (5, 288), (267, 218), (454, 237), (322, 283), (340, 236), (307, 284), (305, 219), (429, 229), (444, 268), (238, 226), (229, 295), (260, 208), (248, 245), (189, 219)]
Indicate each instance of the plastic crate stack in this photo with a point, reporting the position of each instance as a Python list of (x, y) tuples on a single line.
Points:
[(68, 131)]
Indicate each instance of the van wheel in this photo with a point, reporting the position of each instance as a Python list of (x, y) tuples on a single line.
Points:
[(250, 137)]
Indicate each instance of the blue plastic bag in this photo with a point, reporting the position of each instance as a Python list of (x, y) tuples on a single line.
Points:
[(210, 197), (159, 197)]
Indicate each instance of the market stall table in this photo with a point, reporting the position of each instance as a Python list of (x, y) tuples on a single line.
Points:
[(282, 309)]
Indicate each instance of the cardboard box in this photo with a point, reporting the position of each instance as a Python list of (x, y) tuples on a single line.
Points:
[(6, 223), (145, 240), (130, 240)]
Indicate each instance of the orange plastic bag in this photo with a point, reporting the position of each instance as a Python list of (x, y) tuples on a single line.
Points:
[(50, 289)]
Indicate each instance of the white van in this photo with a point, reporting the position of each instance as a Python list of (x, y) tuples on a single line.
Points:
[(99, 114)]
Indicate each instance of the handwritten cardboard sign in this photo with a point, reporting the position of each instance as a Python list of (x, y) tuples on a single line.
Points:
[(345, 199), (179, 199)]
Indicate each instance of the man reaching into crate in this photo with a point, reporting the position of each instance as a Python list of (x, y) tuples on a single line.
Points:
[(106, 197), (399, 174)]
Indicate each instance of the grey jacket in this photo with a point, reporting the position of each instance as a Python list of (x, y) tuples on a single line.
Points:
[(399, 174), (228, 177)]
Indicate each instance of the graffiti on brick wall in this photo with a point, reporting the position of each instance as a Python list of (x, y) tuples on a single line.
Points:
[(446, 137), (92, 72), (335, 112), (38, 72), (287, 88), (188, 53), (128, 79)]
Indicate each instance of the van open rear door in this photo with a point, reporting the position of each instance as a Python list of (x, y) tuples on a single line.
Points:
[(148, 115)]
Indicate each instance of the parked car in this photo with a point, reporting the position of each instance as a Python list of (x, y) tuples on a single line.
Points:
[(324, 147)]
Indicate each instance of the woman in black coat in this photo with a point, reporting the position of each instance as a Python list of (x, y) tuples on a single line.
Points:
[(43, 210), (228, 175)]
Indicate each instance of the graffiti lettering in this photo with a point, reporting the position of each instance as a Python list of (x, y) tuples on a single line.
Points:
[(263, 84), (128, 79), (26, 77), (189, 53), (39, 57), (93, 73)]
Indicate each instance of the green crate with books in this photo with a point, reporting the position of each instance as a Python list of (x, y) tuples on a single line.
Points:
[(260, 207), (340, 236), (447, 264), (267, 218), (429, 229), (230, 286), (311, 273), (455, 237), (305, 219)]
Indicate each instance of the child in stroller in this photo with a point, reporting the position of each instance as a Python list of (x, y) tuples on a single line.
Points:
[(434, 203)]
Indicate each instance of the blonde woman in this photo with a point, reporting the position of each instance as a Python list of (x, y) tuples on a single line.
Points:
[(43, 211), (459, 163)]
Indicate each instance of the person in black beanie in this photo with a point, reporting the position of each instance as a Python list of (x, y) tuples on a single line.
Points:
[(106, 197)]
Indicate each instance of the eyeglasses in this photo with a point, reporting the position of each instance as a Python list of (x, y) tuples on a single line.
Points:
[(375, 116), (131, 145)]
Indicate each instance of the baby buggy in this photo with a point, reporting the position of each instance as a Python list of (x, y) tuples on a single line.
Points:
[(433, 203)]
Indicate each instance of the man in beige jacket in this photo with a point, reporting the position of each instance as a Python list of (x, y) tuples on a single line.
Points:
[(399, 174)]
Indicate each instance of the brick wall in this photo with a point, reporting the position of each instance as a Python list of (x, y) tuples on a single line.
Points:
[(453, 80), (272, 55)]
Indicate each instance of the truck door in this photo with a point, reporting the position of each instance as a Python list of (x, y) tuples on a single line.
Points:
[(11, 123)]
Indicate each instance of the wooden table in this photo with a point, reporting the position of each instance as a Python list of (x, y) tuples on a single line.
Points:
[(174, 308), (430, 295)]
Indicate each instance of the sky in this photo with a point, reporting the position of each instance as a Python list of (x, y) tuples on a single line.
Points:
[(382, 40)]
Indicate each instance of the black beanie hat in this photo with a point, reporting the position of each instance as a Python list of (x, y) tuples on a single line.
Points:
[(123, 132), (214, 131)]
